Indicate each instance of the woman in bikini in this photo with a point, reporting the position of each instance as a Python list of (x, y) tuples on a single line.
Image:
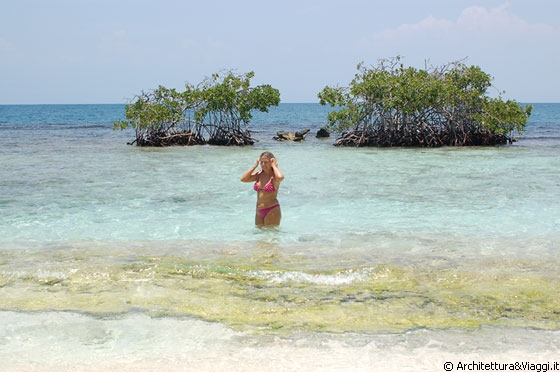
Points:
[(267, 181)]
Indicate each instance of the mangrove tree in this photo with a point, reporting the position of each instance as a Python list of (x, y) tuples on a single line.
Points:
[(394, 105), (217, 111)]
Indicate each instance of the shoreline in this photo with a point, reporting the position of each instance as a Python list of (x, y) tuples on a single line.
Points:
[(61, 341)]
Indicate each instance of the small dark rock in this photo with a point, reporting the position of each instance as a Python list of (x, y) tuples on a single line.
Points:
[(323, 133)]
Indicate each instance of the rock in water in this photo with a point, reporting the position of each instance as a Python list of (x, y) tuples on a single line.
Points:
[(291, 136)]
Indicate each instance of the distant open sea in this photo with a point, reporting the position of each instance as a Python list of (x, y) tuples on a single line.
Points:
[(120, 258)]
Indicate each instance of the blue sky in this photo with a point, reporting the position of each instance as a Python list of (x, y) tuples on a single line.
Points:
[(82, 51)]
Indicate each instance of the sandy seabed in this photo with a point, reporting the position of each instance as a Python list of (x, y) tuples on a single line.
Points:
[(55, 341)]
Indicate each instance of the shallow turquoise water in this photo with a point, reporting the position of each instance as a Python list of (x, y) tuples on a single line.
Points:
[(371, 241)]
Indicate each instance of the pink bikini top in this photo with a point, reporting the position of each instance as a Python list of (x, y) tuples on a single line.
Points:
[(269, 187)]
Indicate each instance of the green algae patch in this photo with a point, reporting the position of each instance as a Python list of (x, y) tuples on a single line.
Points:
[(387, 297)]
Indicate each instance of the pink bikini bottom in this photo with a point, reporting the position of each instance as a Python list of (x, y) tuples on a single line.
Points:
[(263, 212)]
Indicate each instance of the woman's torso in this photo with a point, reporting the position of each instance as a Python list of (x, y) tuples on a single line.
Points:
[(267, 190)]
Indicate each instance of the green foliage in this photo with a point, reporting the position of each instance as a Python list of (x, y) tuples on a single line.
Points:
[(152, 109), (233, 94), (504, 117), (220, 107), (447, 103)]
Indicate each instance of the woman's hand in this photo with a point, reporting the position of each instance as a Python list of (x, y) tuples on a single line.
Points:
[(278, 175), (248, 176)]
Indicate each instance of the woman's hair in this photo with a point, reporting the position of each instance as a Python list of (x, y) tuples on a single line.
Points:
[(268, 154)]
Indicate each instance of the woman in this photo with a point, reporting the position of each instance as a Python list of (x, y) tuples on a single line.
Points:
[(267, 181)]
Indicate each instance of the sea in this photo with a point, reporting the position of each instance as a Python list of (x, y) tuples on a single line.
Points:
[(122, 258)]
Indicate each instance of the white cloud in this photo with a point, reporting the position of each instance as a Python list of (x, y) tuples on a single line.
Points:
[(5, 45), (519, 54), (479, 19), (428, 25), (500, 19), (472, 21), (119, 40), (117, 43)]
